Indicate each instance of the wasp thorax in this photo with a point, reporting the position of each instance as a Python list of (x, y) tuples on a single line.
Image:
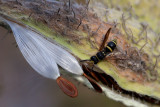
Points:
[(94, 59), (101, 55)]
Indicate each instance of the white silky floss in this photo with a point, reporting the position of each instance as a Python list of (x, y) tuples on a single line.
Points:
[(43, 55)]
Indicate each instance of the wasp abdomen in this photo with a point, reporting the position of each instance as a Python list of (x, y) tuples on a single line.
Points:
[(110, 46)]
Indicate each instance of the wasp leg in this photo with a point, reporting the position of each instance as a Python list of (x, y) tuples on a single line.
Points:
[(85, 60), (89, 72), (93, 83), (105, 39)]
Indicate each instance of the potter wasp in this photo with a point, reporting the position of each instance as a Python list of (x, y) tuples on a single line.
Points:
[(103, 52)]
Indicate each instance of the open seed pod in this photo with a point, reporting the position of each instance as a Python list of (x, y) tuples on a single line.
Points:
[(131, 69)]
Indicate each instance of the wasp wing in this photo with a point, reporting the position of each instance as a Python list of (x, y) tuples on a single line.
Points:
[(34, 52), (105, 39)]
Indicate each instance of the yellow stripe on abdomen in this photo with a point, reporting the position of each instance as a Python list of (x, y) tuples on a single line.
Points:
[(109, 48)]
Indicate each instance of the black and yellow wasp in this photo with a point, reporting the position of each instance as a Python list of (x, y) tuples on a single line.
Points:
[(103, 51), (101, 54)]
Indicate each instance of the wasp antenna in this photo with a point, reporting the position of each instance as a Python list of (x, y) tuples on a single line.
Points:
[(94, 84), (67, 87)]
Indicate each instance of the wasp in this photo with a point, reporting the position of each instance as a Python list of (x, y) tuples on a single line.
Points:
[(102, 53)]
